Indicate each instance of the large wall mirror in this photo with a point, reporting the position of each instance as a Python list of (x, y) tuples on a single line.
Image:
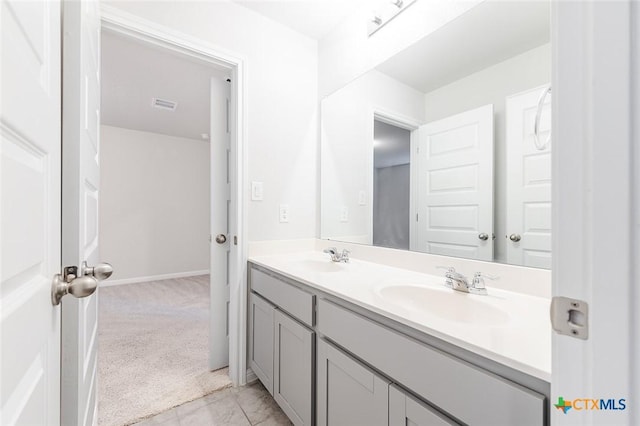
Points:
[(445, 147)]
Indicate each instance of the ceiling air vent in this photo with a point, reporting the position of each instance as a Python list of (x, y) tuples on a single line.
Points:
[(164, 104)]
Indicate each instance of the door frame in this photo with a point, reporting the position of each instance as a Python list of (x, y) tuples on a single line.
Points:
[(132, 26), (596, 204)]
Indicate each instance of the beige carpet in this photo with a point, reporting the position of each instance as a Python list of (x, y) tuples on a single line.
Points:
[(153, 352)]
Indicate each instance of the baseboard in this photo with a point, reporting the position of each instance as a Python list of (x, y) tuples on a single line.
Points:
[(251, 376), (109, 283)]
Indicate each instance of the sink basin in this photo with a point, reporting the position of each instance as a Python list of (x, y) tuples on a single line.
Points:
[(319, 265), (445, 303)]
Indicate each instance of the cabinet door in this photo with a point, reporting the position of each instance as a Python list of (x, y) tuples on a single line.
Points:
[(348, 392), (261, 327), (405, 410), (293, 369)]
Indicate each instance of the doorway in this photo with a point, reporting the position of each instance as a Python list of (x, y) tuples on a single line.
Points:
[(165, 191), (391, 186)]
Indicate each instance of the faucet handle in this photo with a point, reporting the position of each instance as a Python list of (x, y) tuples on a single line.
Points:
[(477, 286), (481, 275), (330, 250), (448, 282)]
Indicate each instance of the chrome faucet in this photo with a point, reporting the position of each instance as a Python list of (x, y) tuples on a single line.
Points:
[(342, 257), (455, 280), (459, 282)]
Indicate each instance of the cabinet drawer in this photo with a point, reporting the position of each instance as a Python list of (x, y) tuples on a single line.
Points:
[(296, 302), (464, 391)]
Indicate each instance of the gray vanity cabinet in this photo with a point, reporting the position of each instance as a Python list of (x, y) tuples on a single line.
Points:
[(282, 344), (348, 392), (407, 410), (261, 339), (293, 369)]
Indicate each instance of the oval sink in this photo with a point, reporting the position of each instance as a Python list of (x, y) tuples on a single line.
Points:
[(445, 303), (319, 265)]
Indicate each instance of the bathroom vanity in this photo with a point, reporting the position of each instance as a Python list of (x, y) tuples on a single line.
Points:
[(361, 343)]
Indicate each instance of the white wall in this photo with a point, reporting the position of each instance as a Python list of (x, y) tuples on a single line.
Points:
[(348, 52), (492, 85), (281, 99), (154, 203), (347, 149)]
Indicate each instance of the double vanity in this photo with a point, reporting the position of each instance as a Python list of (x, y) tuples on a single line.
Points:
[(364, 343)]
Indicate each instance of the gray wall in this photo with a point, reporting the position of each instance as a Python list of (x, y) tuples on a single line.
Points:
[(154, 203), (391, 207)]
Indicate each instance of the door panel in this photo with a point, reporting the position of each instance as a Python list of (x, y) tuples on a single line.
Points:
[(29, 212), (528, 181), (261, 328), (80, 197), (220, 254), (455, 185)]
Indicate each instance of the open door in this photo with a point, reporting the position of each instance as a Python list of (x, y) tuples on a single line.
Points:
[(80, 196), (455, 185), (29, 212), (220, 142)]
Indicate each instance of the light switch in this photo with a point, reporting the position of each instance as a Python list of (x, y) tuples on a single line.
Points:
[(256, 191), (284, 213), (344, 214), (362, 198)]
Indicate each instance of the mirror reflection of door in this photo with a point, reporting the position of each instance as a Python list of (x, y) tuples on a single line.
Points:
[(455, 185), (528, 232), (391, 186)]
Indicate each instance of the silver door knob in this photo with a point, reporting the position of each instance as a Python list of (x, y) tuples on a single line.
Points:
[(78, 284), (484, 236), (101, 271), (221, 238), (515, 237)]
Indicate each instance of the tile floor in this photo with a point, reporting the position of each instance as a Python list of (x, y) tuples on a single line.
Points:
[(244, 406)]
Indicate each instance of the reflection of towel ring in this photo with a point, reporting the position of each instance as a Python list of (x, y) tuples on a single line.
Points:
[(536, 125)]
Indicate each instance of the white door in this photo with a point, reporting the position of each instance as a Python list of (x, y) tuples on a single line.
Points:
[(455, 185), (80, 195), (220, 228), (29, 212), (528, 182)]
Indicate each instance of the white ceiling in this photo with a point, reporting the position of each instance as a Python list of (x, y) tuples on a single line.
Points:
[(487, 34), (133, 73), (314, 18)]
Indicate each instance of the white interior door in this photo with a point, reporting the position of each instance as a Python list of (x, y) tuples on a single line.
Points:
[(220, 225), (80, 195), (29, 212), (528, 181), (455, 185)]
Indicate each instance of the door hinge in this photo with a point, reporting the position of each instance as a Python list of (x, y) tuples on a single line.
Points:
[(570, 317), (235, 240), (416, 217)]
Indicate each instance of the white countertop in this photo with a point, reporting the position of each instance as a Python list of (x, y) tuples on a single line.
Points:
[(514, 328)]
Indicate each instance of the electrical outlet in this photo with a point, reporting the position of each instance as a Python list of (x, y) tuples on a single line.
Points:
[(284, 213), (257, 192), (344, 214)]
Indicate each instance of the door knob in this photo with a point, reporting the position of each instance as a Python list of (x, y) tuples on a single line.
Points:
[(221, 238), (101, 271), (484, 236), (78, 285), (515, 237)]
